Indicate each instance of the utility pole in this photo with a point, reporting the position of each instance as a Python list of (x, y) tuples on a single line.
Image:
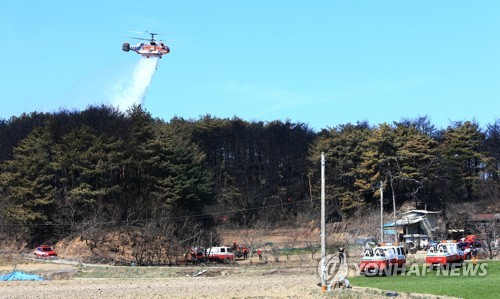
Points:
[(381, 212), (323, 225), (394, 217), (394, 210)]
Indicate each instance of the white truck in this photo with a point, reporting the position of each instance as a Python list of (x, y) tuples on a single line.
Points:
[(222, 254)]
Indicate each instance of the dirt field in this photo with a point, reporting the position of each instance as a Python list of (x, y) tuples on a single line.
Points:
[(280, 286), (232, 286), (256, 280), (296, 277), (181, 282)]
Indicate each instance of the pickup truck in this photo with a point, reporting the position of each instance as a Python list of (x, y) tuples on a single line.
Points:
[(221, 254), (444, 254), (384, 259)]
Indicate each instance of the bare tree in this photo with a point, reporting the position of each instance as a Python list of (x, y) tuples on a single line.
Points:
[(292, 241), (312, 246), (275, 252), (458, 215), (92, 230), (489, 231), (251, 234), (365, 223), (308, 233)]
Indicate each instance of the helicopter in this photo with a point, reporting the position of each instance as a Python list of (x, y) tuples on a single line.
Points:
[(150, 48)]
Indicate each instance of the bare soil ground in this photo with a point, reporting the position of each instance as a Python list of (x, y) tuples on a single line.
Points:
[(294, 279), (215, 283), (236, 281), (179, 287)]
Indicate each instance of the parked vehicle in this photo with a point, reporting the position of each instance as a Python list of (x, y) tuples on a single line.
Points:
[(445, 254), (195, 255), (472, 238), (365, 241), (385, 259), (415, 244), (222, 254), (466, 248), (45, 251)]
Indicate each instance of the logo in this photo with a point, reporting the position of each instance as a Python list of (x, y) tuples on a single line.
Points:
[(336, 268), (453, 269)]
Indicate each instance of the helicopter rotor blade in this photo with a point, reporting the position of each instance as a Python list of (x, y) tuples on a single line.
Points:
[(152, 35), (137, 38)]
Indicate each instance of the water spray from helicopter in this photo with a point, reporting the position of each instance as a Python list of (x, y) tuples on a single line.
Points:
[(133, 91)]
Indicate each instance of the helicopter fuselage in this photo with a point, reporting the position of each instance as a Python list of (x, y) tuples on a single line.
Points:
[(148, 49)]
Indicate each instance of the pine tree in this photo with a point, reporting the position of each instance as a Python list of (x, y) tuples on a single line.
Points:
[(27, 184)]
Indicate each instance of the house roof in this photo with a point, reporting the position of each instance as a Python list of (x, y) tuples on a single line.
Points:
[(485, 217), (415, 236), (420, 212), (409, 219)]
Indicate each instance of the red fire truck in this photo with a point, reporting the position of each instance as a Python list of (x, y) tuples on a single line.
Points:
[(445, 254), (385, 259)]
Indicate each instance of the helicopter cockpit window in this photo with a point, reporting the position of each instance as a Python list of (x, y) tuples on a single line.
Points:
[(153, 44)]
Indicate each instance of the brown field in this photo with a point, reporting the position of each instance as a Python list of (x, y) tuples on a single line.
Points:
[(297, 278), (98, 281)]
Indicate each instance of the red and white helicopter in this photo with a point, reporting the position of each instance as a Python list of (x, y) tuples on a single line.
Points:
[(150, 48)]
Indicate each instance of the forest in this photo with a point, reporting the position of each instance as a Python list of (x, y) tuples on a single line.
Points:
[(74, 172)]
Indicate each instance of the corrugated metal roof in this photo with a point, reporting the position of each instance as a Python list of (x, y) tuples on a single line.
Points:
[(421, 212), (409, 220)]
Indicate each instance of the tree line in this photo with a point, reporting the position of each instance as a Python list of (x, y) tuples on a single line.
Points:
[(63, 173)]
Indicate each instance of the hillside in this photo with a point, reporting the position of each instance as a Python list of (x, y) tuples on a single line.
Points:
[(101, 171)]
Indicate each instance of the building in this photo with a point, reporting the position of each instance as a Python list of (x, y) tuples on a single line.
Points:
[(417, 226)]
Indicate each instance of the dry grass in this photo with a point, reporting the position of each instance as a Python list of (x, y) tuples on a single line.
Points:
[(6, 260)]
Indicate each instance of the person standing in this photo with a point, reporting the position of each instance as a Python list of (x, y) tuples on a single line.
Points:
[(341, 255), (474, 254)]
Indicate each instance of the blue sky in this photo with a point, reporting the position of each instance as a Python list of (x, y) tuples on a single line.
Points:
[(322, 63)]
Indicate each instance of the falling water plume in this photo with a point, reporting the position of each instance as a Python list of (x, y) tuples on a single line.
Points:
[(132, 91)]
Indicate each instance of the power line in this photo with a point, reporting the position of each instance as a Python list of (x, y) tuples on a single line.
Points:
[(197, 216)]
